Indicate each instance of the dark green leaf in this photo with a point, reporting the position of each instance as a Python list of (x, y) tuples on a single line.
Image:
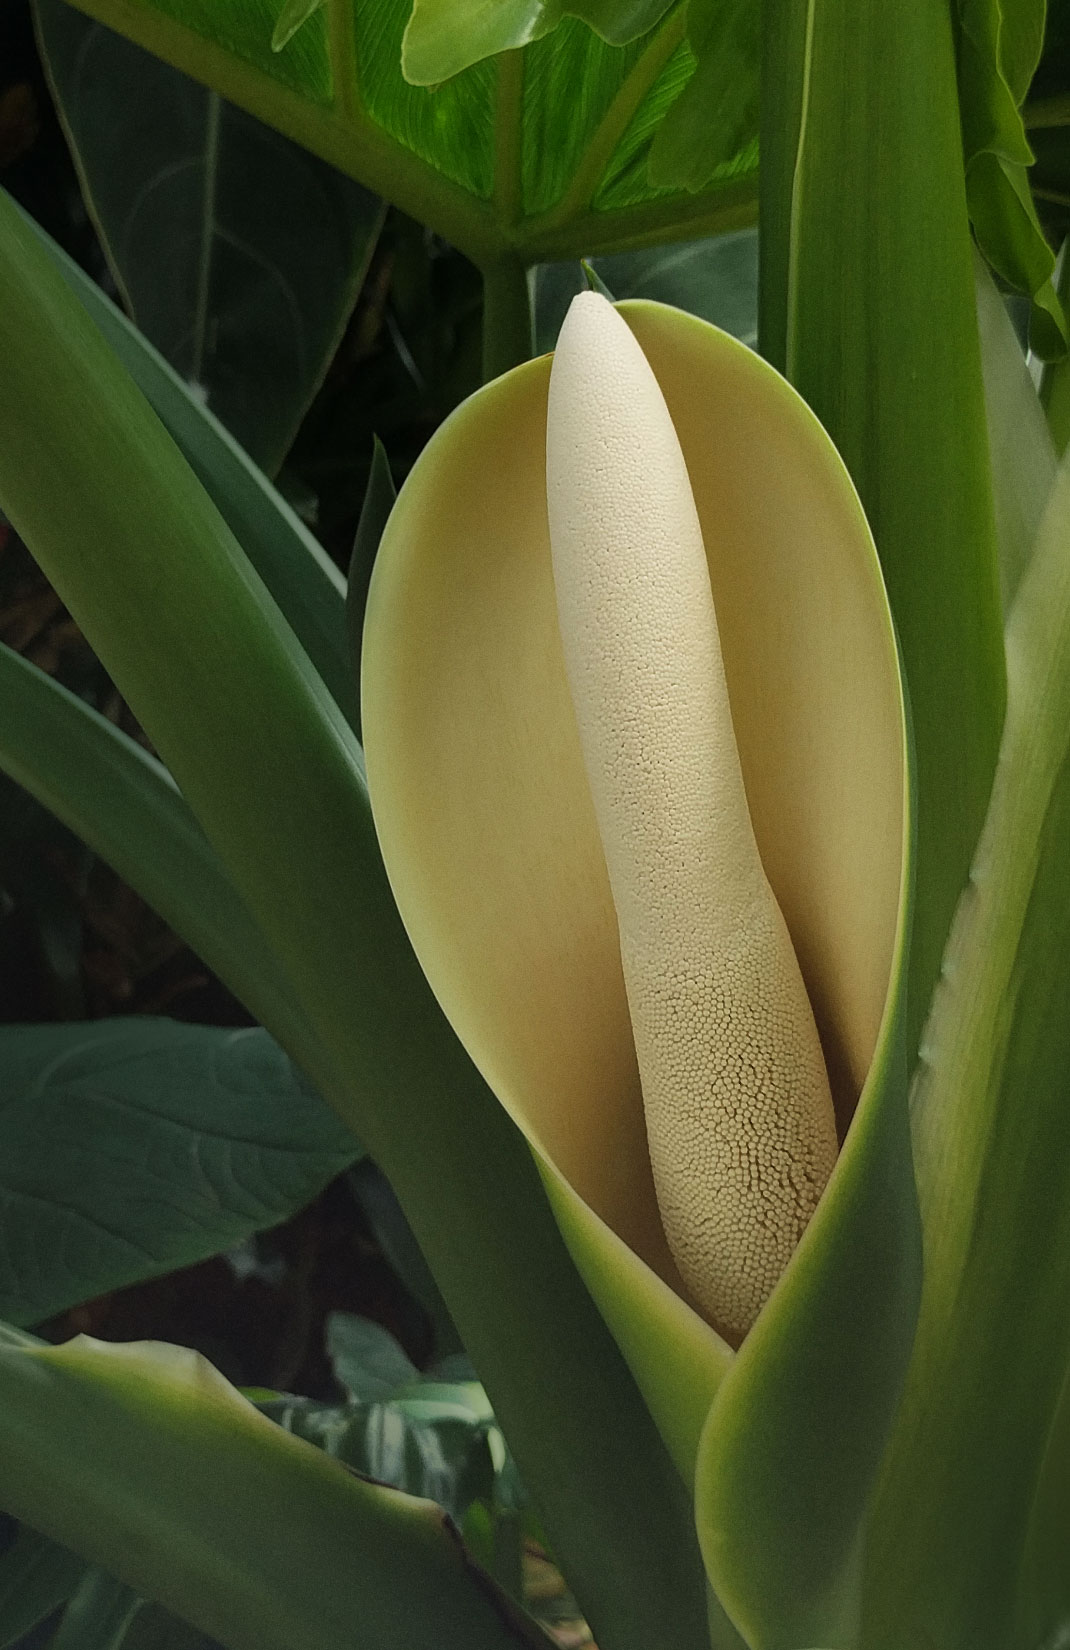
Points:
[(98, 1614), (396, 1239), (1022, 451), (36, 1578), (239, 253), (124, 804), (129, 1148), (366, 1358), (716, 279)]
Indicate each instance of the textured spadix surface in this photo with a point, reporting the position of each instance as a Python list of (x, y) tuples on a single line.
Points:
[(738, 1111), (492, 846)]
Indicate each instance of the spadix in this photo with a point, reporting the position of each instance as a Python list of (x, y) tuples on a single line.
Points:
[(738, 1110)]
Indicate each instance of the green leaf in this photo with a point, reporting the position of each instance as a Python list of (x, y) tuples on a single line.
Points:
[(293, 16), (129, 1148), (717, 111), (125, 805), (445, 36), (275, 777), (146, 1461), (1055, 379), (239, 254), (875, 311), (366, 1358), (991, 1144), (379, 499), (36, 1578), (386, 1218), (297, 571), (791, 1450), (1019, 442), (999, 44), (98, 1614), (532, 154), (422, 1434)]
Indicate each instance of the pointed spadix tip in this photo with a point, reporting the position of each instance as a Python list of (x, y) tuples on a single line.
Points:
[(591, 323)]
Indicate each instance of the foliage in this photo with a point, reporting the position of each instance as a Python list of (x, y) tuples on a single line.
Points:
[(881, 1462)]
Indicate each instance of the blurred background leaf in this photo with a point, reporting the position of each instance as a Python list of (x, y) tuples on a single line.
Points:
[(716, 278), (240, 254)]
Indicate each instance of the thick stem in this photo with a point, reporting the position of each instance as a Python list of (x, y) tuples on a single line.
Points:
[(508, 337)]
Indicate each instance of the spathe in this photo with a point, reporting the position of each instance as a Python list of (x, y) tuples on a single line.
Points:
[(487, 828)]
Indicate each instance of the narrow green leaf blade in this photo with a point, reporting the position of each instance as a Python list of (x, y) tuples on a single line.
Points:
[(143, 1458), (877, 315), (125, 805), (129, 1148), (297, 571), (379, 499), (275, 777), (1019, 442), (992, 1145)]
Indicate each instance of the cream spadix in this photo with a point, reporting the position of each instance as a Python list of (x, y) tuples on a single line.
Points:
[(738, 1110)]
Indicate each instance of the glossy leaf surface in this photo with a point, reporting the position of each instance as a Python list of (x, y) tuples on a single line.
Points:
[(536, 153), (130, 1148), (488, 832), (240, 255)]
